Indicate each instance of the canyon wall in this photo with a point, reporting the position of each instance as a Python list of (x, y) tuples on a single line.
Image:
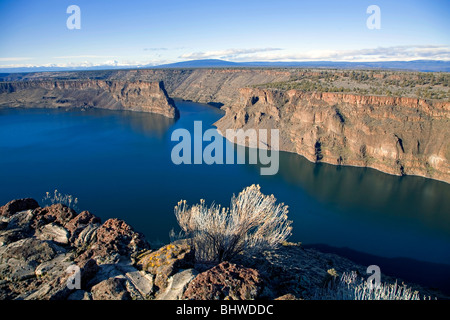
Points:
[(199, 85), (115, 95), (401, 136)]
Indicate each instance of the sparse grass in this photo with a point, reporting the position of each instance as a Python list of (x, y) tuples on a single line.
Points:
[(57, 197), (352, 287)]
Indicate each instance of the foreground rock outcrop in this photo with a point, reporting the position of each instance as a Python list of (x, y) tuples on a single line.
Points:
[(115, 95), (401, 136), (38, 245), (41, 248)]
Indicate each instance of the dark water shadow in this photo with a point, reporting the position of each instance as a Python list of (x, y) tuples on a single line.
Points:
[(355, 192), (149, 124), (216, 104)]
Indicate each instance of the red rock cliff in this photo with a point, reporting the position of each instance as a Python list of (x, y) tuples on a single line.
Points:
[(402, 136), (111, 94)]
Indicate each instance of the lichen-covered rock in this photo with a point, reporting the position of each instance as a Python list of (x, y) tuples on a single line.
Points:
[(166, 261), (225, 281), (18, 205)]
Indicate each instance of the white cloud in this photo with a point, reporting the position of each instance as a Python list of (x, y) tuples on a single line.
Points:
[(156, 49), (14, 59), (86, 56), (88, 64), (395, 53), (225, 54)]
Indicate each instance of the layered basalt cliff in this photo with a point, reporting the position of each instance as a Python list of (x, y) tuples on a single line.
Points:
[(401, 136), (396, 135), (199, 85), (115, 95)]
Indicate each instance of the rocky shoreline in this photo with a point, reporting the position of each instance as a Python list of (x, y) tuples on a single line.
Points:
[(38, 246)]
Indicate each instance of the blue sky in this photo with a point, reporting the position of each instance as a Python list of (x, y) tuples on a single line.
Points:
[(34, 33)]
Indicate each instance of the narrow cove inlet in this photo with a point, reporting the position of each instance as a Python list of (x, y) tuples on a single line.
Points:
[(118, 164)]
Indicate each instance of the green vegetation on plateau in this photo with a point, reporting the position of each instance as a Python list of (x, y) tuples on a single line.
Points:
[(432, 85)]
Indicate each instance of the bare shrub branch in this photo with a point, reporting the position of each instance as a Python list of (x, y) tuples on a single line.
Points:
[(253, 223)]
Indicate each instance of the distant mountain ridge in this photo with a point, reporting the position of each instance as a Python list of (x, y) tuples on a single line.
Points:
[(205, 63), (415, 65)]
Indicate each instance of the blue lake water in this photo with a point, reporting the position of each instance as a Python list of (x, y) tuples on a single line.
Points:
[(119, 164)]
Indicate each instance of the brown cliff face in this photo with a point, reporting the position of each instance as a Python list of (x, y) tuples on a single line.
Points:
[(397, 135), (199, 85), (402, 136), (117, 95)]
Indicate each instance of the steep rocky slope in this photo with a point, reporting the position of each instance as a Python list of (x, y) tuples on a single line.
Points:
[(402, 136), (127, 95)]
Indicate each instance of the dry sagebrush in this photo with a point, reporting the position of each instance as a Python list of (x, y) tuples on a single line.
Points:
[(57, 197), (352, 287), (254, 222)]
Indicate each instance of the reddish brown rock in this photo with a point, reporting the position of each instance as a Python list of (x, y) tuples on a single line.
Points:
[(79, 223), (81, 220), (15, 206), (115, 237), (225, 281), (119, 236), (58, 213)]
